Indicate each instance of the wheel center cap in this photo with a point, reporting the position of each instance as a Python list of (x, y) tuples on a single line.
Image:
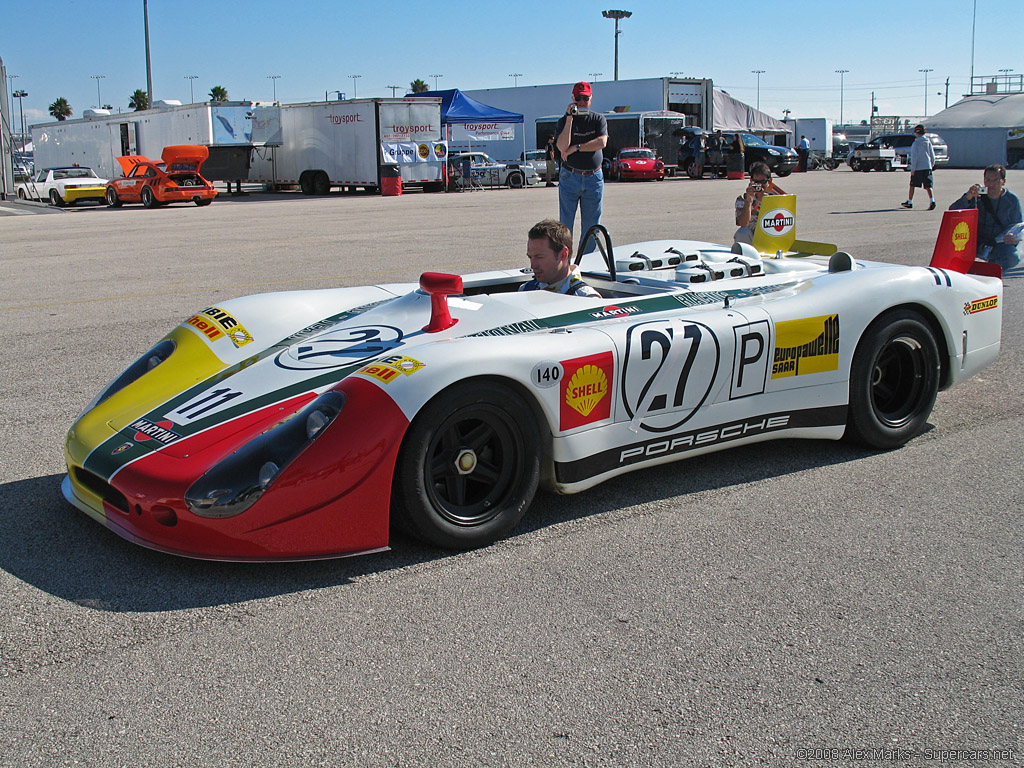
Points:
[(465, 462)]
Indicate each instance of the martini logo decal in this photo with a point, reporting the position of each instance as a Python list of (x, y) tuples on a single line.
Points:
[(154, 430), (778, 222)]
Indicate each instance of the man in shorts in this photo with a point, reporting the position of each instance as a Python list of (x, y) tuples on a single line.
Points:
[(922, 161), (549, 248)]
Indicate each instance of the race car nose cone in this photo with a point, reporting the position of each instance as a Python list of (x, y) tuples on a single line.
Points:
[(465, 462)]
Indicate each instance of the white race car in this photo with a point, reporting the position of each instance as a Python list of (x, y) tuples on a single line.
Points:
[(486, 172), (64, 186), (302, 424)]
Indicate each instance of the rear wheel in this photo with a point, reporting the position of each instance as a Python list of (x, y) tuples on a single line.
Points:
[(894, 379), (469, 466), (515, 180), (148, 198), (112, 199), (22, 195), (887, 166), (56, 199), (691, 170), (201, 202), (321, 183)]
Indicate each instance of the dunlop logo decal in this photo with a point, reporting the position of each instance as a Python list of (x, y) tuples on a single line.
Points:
[(981, 305)]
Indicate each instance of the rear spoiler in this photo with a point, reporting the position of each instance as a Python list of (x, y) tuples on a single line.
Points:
[(956, 247)]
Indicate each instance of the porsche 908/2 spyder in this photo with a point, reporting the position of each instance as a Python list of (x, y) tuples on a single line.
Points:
[(174, 180), (303, 424)]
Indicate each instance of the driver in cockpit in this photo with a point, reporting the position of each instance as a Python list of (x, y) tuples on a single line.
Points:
[(549, 248)]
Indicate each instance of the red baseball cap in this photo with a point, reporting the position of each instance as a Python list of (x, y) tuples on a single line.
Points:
[(582, 89)]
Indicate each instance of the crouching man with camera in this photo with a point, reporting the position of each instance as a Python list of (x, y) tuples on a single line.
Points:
[(582, 135), (748, 205)]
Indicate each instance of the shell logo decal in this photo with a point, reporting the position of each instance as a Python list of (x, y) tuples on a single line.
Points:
[(961, 235), (586, 390)]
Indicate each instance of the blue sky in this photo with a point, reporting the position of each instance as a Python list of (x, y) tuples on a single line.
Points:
[(57, 46)]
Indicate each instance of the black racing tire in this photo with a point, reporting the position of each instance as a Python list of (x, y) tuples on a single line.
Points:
[(113, 201), (148, 198), (783, 174), (469, 466), (22, 195), (515, 180), (321, 183), (201, 202), (56, 199), (894, 379)]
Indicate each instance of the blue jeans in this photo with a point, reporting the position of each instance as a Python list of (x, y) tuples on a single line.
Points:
[(1002, 254), (584, 191)]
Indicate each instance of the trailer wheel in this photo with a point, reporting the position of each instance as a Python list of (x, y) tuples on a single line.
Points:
[(321, 183), (306, 182)]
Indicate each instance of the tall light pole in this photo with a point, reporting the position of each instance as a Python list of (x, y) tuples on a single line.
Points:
[(149, 66), (842, 74), (974, 23), (926, 71), (594, 75), (355, 91), (435, 79), (274, 79), (191, 93), (1006, 74), (20, 95), (515, 78), (616, 14), (758, 72), (10, 89), (99, 98)]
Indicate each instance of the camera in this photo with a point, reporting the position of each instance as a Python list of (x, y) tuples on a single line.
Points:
[(757, 187), (982, 189), (574, 110)]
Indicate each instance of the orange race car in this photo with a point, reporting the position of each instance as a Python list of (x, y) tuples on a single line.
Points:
[(174, 180)]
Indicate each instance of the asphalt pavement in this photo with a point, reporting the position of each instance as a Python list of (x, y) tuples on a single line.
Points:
[(784, 604)]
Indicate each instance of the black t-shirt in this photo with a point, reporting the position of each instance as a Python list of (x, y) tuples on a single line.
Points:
[(585, 126)]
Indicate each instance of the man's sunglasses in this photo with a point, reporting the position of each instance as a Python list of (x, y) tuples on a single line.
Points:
[(581, 97)]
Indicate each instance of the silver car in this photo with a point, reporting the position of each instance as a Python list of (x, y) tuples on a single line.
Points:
[(486, 172)]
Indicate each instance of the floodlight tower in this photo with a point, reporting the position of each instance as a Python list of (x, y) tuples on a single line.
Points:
[(617, 15)]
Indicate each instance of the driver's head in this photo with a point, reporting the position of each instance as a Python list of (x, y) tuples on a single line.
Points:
[(549, 247)]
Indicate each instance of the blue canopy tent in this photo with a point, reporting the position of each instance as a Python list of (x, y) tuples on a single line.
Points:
[(458, 108)]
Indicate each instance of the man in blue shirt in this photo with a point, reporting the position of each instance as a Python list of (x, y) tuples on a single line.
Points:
[(922, 160), (998, 213)]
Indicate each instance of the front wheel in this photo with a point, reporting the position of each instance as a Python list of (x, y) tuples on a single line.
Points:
[(201, 202), (887, 166), (469, 466), (783, 174), (855, 164), (894, 379)]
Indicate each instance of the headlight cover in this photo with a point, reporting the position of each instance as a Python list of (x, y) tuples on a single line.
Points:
[(238, 481), (138, 369)]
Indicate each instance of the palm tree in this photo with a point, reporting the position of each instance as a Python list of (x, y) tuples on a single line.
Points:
[(418, 86), (60, 109), (139, 100), (218, 93)]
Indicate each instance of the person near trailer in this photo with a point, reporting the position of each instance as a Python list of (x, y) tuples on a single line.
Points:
[(804, 152), (582, 137), (549, 249), (549, 156), (999, 217), (716, 146), (922, 161)]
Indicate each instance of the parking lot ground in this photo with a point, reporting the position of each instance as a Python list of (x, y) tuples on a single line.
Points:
[(758, 607)]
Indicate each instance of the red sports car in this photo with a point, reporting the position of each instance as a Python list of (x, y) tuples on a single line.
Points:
[(174, 180), (637, 163)]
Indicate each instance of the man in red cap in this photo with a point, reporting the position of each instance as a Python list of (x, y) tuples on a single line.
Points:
[(582, 135)]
